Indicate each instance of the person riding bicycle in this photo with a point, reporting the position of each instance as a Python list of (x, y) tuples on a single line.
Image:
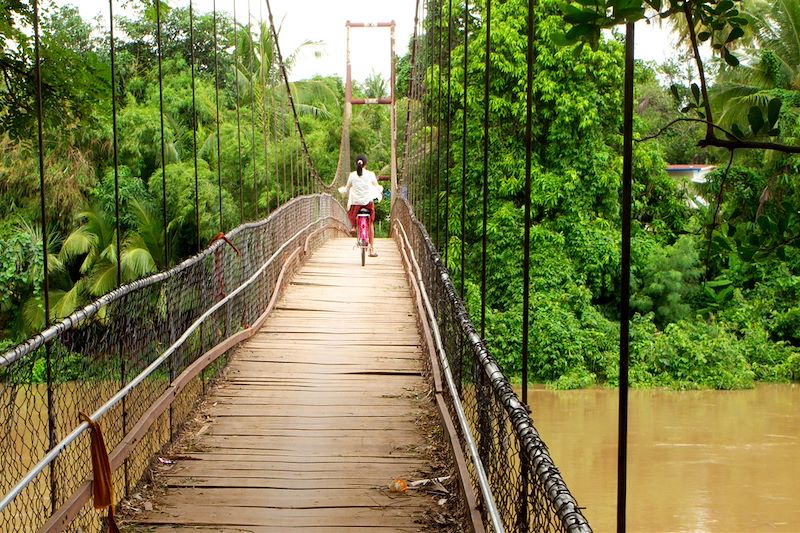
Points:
[(363, 189)]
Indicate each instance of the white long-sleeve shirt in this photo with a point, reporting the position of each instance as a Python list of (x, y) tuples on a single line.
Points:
[(363, 189)]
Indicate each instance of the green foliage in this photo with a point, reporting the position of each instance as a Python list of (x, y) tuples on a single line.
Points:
[(181, 213), (20, 268), (667, 281), (689, 354)]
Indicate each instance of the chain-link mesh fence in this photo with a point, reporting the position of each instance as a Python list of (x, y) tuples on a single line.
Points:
[(527, 488), (79, 364)]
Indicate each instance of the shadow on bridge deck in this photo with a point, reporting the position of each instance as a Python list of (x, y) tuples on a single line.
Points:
[(319, 412)]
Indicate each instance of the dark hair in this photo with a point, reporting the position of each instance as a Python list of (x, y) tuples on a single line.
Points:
[(361, 160)]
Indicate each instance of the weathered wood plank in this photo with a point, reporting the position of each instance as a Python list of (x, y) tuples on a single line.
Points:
[(267, 529), (308, 498), (382, 470), (342, 517)]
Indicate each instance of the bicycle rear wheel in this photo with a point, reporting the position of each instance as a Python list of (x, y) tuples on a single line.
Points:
[(363, 255)]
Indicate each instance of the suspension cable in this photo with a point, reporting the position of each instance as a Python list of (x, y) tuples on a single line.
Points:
[(117, 225), (411, 166), (163, 144), (408, 149), (238, 113), (51, 424), (309, 161), (265, 124), (522, 518), (252, 111), (219, 126), (464, 149), (486, 80), (447, 142), (193, 60), (625, 279), (429, 114), (285, 187), (526, 242), (114, 142), (439, 46)]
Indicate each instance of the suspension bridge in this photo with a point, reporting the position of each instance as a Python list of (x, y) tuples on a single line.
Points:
[(269, 382)]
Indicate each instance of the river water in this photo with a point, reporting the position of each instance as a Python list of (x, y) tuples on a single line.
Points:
[(698, 461)]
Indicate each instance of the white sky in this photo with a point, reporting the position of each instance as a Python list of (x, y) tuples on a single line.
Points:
[(324, 20)]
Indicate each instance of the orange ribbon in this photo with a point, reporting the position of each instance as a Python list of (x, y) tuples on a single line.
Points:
[(102, 483)]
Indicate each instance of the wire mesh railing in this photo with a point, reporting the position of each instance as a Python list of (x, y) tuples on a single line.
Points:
[(526, 486), (130, 346)]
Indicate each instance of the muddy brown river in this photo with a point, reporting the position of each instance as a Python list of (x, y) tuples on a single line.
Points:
[(698, 461)]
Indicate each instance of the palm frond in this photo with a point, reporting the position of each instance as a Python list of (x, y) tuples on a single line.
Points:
[(137, 261), (77, 243), (64, 303), (103, 279)]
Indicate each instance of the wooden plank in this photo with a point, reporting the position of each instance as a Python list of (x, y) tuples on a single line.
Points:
[(292, 484), (344, 424), (366, 411), (255, 459), (310, 498), (257, 468), (269, 396), (341, 517), (324, 478), (271, 346), (367, 444), (194, 528), (381, 475)]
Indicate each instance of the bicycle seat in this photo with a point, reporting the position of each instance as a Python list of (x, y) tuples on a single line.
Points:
[(363, 211)]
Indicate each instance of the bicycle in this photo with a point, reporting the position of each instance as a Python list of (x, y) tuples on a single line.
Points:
[(362, 227)]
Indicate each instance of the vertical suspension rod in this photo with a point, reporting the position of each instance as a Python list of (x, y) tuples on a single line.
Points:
[(163, 143), (51, 424), (625, 281), (193, 60), (485, 212), (115, 151), (447, 141), (439, 46), (464, 148), (238, 113), (219, 126)]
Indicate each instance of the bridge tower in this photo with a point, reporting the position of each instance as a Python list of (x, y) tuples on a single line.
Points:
[(350, 102)]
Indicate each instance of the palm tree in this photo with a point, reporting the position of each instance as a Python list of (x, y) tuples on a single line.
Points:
[(143, 250), (94, 244), (770, 61)]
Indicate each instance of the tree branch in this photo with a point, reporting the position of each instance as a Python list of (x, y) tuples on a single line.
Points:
[(713, 225), (733, 144), (729, 144), (690, 119), (687, 10)]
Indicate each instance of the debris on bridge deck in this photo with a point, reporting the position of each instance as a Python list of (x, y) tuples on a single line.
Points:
[(321, 417)]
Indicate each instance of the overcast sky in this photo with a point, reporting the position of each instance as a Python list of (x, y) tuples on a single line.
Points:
[(324, 21)]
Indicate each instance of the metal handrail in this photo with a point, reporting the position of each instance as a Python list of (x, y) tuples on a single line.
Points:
[(40, 339), (472, 448)]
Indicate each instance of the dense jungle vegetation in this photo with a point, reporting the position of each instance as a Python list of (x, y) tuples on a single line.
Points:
[(715, 282), (714, 287)]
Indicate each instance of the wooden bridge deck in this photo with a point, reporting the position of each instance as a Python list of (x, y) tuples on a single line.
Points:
[(319, 413)]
